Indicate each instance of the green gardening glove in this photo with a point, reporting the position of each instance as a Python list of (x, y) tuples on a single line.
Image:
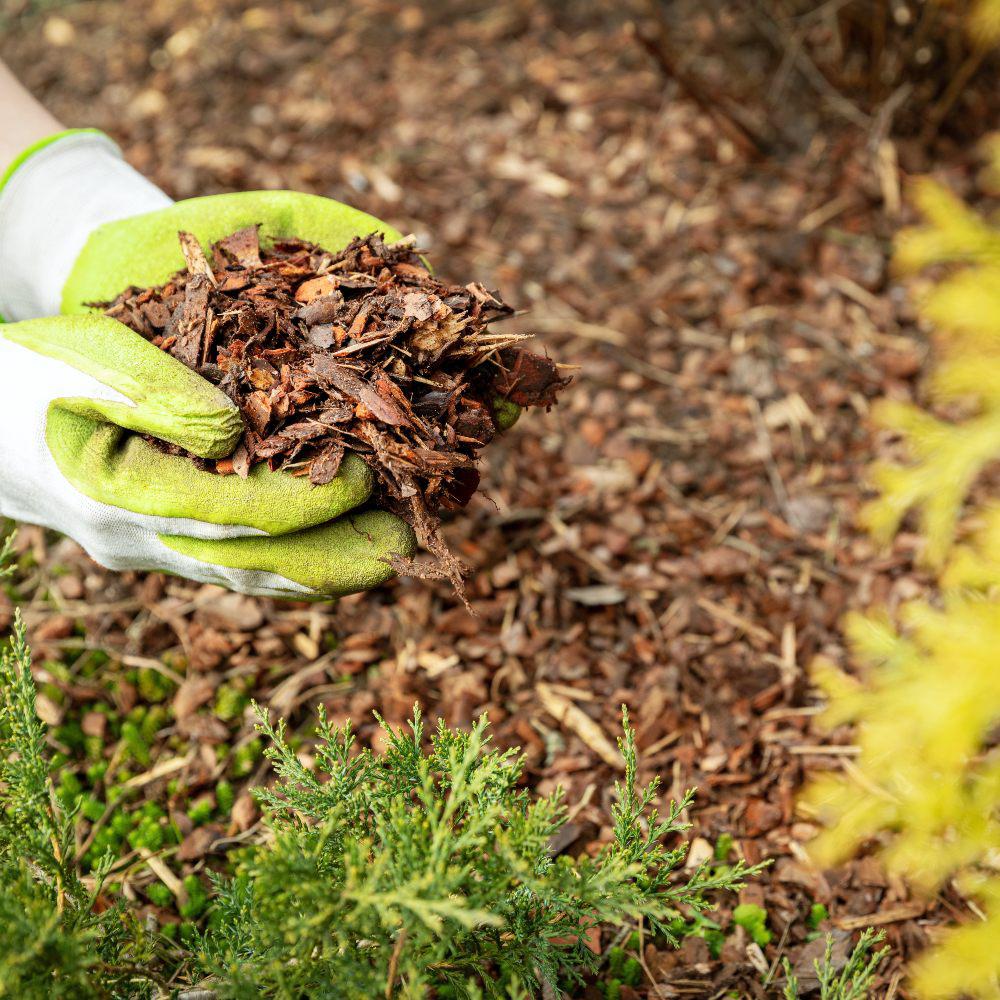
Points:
[(79, 385)]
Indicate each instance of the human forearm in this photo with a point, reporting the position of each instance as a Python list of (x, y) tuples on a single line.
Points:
[(56, 188), (23, 120)]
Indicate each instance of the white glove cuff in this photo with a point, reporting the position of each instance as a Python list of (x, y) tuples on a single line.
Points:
[(48, 209)]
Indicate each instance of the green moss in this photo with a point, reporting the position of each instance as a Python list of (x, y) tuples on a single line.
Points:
[(632, 972), (160, 895), (71, 735), (201, 812), (723, 846), (54, 693), (92, 808), (197, 899), (616, 960), (91, 662), (148, 833), (753, 919), (224, 797), (96, 771), (230, 703), (70, 785), (138, 748), (245, 759), (817, 914), (156, 718), (154, 687)]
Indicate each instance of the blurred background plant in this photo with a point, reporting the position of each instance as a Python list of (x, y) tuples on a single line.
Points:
[(900, 67), (927, 781), (924, 53)]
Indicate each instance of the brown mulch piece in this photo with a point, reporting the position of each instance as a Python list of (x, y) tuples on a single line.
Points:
[(679, 535), (360, 350)]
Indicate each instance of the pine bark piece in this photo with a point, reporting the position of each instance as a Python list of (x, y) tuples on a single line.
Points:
[(325, 467), (197, 262), (359, 350), (530, 379), (355, 387), (243, 247), (193, 322), (572, 717)]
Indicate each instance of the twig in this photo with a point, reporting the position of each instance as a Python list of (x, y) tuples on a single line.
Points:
[(142, 971), (956, 85), (773, 473), (394, 962), (882, 122), (777, 958), (790, 46)]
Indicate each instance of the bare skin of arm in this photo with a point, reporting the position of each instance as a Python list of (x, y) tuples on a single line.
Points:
[(23, 120)]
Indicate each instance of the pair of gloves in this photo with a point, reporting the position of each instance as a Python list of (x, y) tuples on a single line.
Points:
[(77, 389)]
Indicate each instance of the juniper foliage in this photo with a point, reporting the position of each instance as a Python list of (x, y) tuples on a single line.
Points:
[(385, 875), (854, 981), (53, 942), (409, 872), (402, 874)]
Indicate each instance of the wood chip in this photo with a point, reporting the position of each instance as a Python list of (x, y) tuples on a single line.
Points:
[(567, 714), (888, 915)]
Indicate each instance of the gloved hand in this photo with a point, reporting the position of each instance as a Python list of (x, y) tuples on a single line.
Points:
[(76, 385)]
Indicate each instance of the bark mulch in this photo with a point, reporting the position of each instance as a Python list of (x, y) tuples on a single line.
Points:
[(357, 348), (677, 535)]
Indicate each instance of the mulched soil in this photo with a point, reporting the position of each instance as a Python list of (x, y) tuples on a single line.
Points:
[(677, 535)]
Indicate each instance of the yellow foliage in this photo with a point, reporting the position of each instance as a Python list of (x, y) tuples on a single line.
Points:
[(926, 707), (953, 232), (968, 305), (965, 948), (948, 460), (947, 457), (984, 23), (977, 565), (926, 781)]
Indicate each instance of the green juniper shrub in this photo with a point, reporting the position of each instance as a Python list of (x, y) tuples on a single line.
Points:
[(406, 873), (54, 942), (852, 982), (432, 871)]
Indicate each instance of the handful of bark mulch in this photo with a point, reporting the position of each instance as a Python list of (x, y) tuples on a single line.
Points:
[(359, 350)]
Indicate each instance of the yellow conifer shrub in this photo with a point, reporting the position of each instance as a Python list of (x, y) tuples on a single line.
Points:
[(983, 22), (927, 705)]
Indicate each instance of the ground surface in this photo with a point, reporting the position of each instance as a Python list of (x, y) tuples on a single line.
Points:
[(676, 536)]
